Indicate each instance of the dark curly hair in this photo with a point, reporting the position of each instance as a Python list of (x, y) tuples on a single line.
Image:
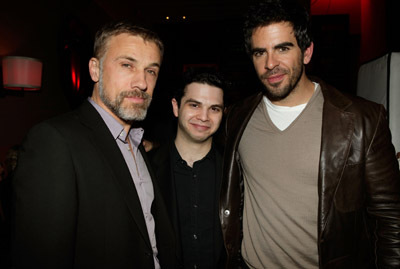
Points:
[(274, 11)]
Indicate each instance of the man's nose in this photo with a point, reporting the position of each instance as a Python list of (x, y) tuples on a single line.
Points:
[(203, 114), (271, 61), (139, 80)]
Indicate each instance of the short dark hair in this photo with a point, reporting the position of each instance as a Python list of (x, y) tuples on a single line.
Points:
[(115, 28), (274, 11), (202, 75)]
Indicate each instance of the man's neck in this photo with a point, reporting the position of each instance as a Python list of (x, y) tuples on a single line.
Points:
[(96, 98), (192, 152), (300, 95)]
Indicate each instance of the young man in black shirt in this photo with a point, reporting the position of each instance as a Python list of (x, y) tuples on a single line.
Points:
[(188, 170)]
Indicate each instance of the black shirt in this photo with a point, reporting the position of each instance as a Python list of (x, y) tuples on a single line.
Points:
[(196, 198)]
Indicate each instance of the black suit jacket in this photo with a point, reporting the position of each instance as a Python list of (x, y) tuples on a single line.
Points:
[(162, 166), (76, 203)]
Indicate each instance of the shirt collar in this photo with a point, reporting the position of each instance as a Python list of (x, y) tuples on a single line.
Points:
[(116, 128), (176, 157)]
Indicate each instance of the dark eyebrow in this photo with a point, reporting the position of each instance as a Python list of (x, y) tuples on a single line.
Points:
[(284, 44), (221, 106), (192, 101), (281, 45), (197, 102), (254, 50)]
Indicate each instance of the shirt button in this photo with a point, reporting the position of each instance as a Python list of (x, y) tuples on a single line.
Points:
[(195, 206), (227, 212), (195, 237), (194, 175)]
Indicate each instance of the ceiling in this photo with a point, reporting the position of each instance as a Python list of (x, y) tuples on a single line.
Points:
[(156, 11)]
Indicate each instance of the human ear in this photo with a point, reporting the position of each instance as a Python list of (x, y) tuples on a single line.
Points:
[(175, 107), (94, 69), (308, 53)]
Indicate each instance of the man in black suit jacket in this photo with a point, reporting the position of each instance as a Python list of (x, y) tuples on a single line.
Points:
[(84, 195), (189, 170)]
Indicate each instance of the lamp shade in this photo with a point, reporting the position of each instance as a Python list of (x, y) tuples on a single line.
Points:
[(22, 73)]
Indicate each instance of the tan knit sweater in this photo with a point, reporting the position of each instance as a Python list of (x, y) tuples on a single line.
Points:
[(281, 200)]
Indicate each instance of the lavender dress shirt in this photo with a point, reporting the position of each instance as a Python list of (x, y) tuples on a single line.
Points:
[(139, 172)]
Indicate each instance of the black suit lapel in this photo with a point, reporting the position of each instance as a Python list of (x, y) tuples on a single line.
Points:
[(164, 206), (163, 169), (173, 203), (110, 152)]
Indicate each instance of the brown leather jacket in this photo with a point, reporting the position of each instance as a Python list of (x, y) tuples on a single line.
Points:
[(358, 184)]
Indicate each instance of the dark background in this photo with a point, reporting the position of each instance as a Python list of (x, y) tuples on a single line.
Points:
[(60, 33)]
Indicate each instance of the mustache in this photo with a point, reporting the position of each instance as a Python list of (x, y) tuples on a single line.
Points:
[(276, 70), (135, 93)]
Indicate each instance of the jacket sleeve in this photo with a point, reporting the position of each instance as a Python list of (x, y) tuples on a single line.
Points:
[(45, 202), (383, 195)]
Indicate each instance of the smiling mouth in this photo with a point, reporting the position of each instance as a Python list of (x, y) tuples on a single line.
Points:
[(274, 79), (200, 127)]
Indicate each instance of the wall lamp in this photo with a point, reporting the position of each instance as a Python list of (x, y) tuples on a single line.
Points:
[(22, 73)]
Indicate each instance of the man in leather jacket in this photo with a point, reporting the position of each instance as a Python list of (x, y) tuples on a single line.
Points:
[(310, 177)]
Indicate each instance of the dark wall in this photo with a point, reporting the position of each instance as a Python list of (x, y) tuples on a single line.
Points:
[(47, 30), (29, 28), (56, 31)]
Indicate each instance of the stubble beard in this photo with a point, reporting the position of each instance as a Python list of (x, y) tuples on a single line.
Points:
[(273, 92), (131, 112)]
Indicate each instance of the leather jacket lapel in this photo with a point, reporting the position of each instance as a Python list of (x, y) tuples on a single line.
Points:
[(337, 132)]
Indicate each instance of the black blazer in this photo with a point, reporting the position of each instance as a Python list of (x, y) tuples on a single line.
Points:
[(76, 203), (162, 167)]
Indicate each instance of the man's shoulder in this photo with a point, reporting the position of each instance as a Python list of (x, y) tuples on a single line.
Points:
[(218, 149), (65, 124), (357, 105), (160, 155), (363, 106), (246, 104)]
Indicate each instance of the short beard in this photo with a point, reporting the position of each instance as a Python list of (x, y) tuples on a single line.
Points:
[(284, 92), (133, 112)]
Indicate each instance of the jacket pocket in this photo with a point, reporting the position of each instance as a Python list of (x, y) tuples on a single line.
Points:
[(350, 192)]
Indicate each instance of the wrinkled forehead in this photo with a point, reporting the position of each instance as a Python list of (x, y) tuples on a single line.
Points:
[(137, 41), (133, 47)]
